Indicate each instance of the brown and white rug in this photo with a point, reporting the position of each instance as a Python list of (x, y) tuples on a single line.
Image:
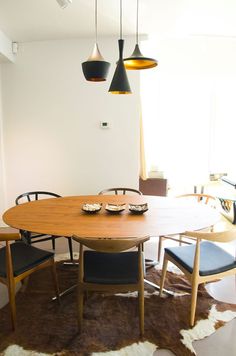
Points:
[(110, 322)]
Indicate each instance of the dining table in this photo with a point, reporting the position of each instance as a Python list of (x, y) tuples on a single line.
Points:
[(65, 216)]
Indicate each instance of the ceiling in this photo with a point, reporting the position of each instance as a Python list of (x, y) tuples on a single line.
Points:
[(35, 20)]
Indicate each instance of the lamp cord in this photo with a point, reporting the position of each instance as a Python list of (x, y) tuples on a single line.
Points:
[(120, 19), (137, 13), (96, 21)]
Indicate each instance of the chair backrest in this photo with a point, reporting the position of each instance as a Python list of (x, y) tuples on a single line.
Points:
[(201, 198), (118, 191), (222, 236), (110, 244), (36, 195), (9, 234)]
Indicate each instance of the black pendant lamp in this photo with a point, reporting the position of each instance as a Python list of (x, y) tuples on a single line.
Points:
[(137, 61), (95, 69), (120, 83)]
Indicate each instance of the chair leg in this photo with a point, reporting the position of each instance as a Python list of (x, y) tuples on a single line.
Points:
[(159, 248), (24, 283), (80, 308), (70, 248), (163, 275), (12, 302), (193, 302), (55, 281), (53, 243), (180, 239), (141, 310)]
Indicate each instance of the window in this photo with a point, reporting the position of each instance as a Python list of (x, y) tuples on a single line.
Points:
[(188, 109)]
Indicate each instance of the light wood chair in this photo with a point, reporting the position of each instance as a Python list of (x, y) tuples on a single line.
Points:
[(106, 268), (200, 198), (122, 191), (17, 261), (201, 262)]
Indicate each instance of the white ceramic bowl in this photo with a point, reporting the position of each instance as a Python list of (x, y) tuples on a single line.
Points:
[(138, 208), (115, 208), (92, 208)]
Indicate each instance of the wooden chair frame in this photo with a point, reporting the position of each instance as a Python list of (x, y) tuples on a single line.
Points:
[(194, 277), (111, 245), (9, 235), (179, 238), (200, 197), (120, 190)]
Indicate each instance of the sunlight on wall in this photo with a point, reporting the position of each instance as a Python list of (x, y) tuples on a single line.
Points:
[(189, 111)]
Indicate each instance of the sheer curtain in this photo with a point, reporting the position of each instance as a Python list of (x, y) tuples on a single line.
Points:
[(143, 166), (189, 112)]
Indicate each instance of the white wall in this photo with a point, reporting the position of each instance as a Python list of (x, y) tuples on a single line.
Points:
[(51, 119), (2, 181), (6, 56)]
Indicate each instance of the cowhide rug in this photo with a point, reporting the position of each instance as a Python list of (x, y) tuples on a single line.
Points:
[(110, 322)]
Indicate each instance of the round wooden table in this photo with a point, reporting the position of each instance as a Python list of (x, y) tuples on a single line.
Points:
[(64, 216)]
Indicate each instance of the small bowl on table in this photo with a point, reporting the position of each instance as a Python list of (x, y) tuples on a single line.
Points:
[(115, 208), (92, 208), (138, 208)]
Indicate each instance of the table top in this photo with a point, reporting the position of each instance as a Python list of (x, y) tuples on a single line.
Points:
[(64, 216)]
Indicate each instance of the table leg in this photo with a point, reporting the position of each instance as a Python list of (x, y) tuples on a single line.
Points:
[(70, 263), (150, 263), (169, 292), (69, 290), (65, 292)]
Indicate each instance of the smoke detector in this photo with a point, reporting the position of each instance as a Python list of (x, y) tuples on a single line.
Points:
[(64, 3)]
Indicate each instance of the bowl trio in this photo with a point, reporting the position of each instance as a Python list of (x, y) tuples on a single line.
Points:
[(115, 208)]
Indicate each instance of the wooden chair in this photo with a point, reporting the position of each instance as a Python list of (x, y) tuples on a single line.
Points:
[(201, 262), (30, 237), (17, 261), (200, 198), (108, 269), (122, 191)]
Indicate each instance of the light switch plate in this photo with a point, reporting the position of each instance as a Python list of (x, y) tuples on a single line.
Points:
[(104, 124)]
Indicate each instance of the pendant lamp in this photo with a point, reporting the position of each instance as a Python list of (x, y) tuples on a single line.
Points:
[(95, 69), (137, 61), (120, 83)]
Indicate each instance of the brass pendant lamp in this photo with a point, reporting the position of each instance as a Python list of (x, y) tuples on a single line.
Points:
[(137, 61), (120, 83), (95, 69)]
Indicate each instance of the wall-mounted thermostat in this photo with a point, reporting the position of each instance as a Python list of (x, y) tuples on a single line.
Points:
[(104, 125)]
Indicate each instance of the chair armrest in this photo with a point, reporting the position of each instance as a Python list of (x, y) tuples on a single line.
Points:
[(9, 234)]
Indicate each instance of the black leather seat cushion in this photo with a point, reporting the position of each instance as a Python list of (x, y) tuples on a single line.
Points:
[(110, 268), (213, 259), (24, 257)]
